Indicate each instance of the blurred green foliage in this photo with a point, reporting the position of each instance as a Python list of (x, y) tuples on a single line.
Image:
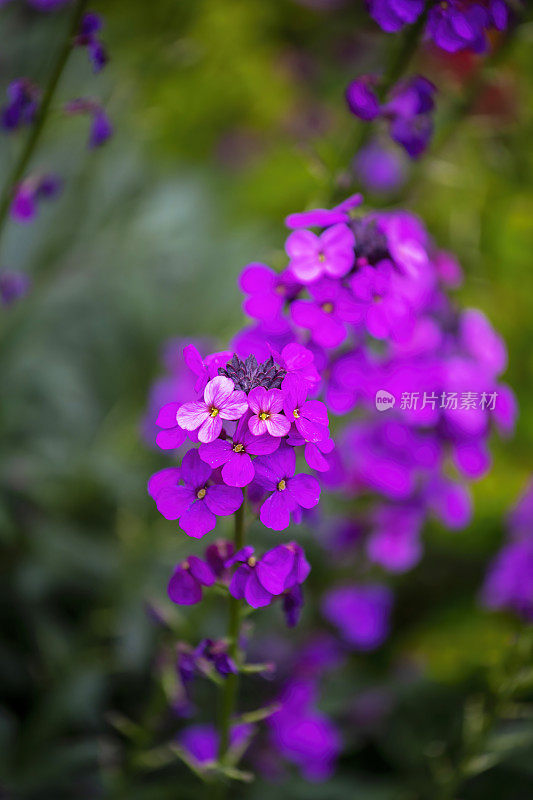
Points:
[(228, 115)]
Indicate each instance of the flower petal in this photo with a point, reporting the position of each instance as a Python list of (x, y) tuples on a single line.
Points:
[(167, 416), (191, 415), (276, 510), (218, 390), (238, 581), (201, 571), (194, 472), (171, 438), (223, 500), (183, 588), (239, 470), (274, 567), (165, 477), (173, 501), (215, 453), (197, 520), (278, 425), (305, 489), (255, 594), (210, 429)]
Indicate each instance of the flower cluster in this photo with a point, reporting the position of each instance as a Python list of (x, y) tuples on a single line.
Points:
[(509, 583), (368, 296), (453, 25), (408, 110)]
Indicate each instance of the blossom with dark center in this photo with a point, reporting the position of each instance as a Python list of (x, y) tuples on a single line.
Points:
[(28, 194), (275, 473), (234, 455), (265, 417), (310, 417), (260, 580), (90, 26), (21, 106), (312, 256), (220, 401), (361, 613), (188, 578), (249, 374), (198, 502), (13, 286), (101, 128)]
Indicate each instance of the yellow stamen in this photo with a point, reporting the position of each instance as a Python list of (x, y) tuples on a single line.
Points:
[(214, 412), (296, 413), (252, 561), (282, 486), (321, 257), (238, 448), (327, 307), (264, 415), (200, 494)]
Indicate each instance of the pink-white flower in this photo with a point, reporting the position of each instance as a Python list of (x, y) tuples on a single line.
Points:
[(221, 401), (265, 407), (331, 253)]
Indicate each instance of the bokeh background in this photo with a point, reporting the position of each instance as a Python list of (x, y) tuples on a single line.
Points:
[(228, 115)]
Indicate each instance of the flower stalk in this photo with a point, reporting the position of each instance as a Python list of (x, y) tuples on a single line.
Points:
[(21, 164)]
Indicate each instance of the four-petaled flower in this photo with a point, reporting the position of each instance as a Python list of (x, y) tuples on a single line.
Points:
[(265, 406), (326, 314), (197, 503), (221, 401), (259, 580), (234, 454), (289, 491), (312, 256)]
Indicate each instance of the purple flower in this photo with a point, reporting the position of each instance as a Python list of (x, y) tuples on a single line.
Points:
[(362, 99), (267, 291), (265, 418), (259, 581), (22, 99), (216, 556), (361, 613), (28, 194), (90, 26), (395, 539), (311, 256), (302, 734), (392, 15), (299, 361), (197, 503), (47, 5), (379, 169), (221, 401), (234, 456), (456, 25), (201, 741), (185, 586), (13, 286), (310, 417), (509, 583), (293, 601), (172, 435), (101, 128), (275, 473), (209, 653), (326, 314), (324, 217)]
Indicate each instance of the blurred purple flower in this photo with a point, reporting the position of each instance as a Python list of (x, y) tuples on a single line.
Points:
[(361, 613), (90, 25), (22, 102), (201, 741), (393, 15), (28, 194), (13, 286), (313, 256), (101, 128), (379, 168)]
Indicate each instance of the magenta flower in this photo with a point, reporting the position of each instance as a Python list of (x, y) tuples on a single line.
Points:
[(324, 217), (314, 452), (277, 572), (204, 369), (23, 97), (331, 253), (197, 503), (309, 416), (30, 192), (392, 15), (384, 311), (275, 473), (201, 741), (299, 361), (267, 291), (234, 455), (265, 406), (172, 435), (326, 314), (221, 401), (188, 578)]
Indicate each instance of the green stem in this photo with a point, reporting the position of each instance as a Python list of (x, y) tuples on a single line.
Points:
[(20, 165), (230, 688)]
